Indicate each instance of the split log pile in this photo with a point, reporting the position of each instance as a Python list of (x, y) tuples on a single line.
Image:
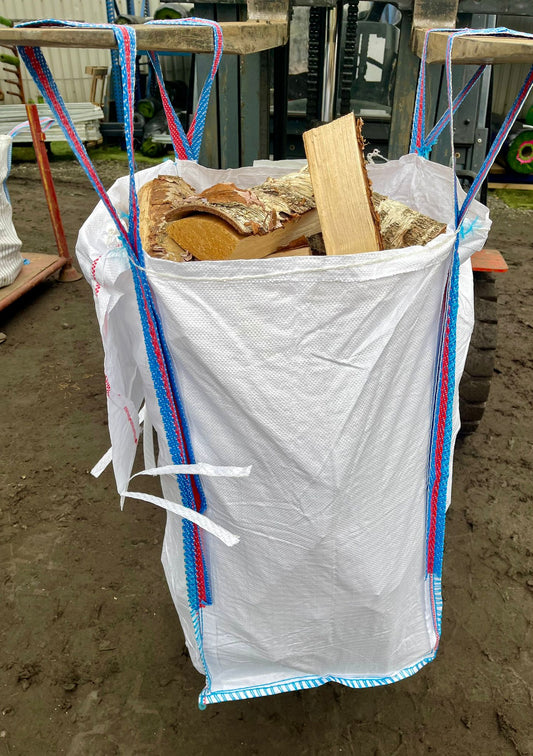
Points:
[(319, 210), (225, 222)]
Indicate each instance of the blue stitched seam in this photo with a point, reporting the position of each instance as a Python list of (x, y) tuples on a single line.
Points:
[(291, 684)]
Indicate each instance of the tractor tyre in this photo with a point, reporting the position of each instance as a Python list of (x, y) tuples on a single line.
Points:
[(474, 386)]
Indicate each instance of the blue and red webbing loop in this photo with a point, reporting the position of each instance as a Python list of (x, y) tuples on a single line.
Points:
[(441, 441), (187, 147), (159, 358)]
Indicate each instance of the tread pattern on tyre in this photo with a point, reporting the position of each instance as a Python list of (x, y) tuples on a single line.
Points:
[(475, 382)]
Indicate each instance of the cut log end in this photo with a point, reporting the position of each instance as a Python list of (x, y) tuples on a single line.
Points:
[(156, 199), (205, 237)]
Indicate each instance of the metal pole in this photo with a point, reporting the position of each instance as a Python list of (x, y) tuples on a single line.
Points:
[(281, 95)]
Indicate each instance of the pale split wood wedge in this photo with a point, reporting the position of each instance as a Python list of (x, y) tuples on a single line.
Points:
[(348, 220)]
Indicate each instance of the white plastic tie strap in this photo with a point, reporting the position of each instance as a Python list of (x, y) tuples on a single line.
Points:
[(200, 468), (106, 460), (375, 155), (25, 125), (102, 463)]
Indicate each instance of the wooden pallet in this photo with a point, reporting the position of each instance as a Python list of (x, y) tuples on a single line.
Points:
[(39, 267)]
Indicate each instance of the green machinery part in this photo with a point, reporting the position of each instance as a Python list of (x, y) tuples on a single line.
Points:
[(520, 153), (152, 149), (170, 11)]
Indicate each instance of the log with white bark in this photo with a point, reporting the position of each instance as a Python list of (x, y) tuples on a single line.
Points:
[(403, 227), (227, 223), (156, 199)]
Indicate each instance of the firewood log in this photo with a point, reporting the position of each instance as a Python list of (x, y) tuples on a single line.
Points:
[(224, 222), (341, 187), (403, 227), (292, 252), (207, 237), (156, 199)]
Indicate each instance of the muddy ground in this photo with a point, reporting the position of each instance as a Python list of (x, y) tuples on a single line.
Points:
[(92, 657)]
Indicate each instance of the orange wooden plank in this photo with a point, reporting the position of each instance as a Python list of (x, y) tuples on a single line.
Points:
[(489, 260)]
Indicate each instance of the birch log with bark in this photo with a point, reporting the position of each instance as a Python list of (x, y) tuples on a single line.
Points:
[(403, 227), (156, 199), (225, 222)]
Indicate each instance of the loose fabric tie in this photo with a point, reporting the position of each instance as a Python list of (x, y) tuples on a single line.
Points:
[(199, 468)]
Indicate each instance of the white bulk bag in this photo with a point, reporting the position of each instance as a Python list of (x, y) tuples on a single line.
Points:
[(11, 260), (319, 373)]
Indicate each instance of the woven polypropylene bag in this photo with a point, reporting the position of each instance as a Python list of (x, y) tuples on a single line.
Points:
[(320, 373), (11, 260)]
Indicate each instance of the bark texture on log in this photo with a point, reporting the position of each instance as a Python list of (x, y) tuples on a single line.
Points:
[(225, 222), (156, 199), (402, 227), (259, 210)]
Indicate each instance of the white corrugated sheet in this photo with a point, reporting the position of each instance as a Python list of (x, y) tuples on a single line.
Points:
[(509, 77), (67, 65), (85, 115)]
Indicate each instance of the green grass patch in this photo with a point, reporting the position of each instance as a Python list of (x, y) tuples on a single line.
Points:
[(22, 154), (516, 197), (61, 151)]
